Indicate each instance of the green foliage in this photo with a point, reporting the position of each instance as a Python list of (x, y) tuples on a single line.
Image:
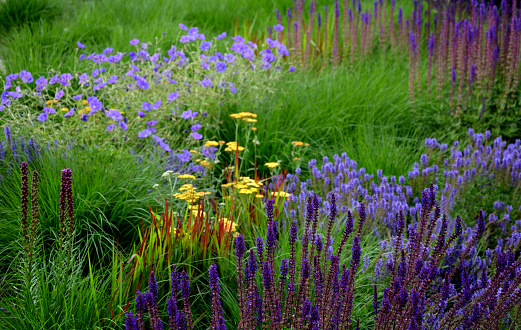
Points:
[(364, 112), (15, 14), (110, 191)]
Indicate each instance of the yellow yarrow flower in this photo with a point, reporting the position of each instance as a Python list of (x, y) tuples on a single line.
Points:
[(186, 176), (242, 115), (211, 144), (271, 165), (65, 109), (85, 102), (282, 194), (194, 151)]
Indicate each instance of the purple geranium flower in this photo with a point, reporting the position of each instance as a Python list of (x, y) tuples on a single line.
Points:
[(113, 79), (26, 77), (144, 133), (146, 106), (43, 116), (184, 156), (196, 135), (77, 97), (134, 42), (111, 127), (157, 105), (189, 114), (141, 114), (114, 114), (172, 96), (69, 113), (183, 27), (195, 127), (221, 36), (205, 45), (220, 66), (80, 45), (96, 88)]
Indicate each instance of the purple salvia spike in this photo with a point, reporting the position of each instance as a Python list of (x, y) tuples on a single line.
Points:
[(185, 294), (130, 322)]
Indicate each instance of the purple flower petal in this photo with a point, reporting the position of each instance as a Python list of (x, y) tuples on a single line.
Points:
[(196, 136), (43, 116)]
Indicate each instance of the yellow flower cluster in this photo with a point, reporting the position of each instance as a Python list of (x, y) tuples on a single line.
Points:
[(299, 143), (245, 186), (272, 164), (195, 210), (282, 194), (84, 110), (211, 144), (228, 224), (50, 102), (186, 176), (204, 163), (190, 193), (244, 116), (233, 146)]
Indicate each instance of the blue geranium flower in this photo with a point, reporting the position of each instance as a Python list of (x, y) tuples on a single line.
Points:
[(172, 96), (43, 116), (189, 114), (114, 114)]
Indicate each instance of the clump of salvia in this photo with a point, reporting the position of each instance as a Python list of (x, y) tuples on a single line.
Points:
[(433, 277), (312, 290), (179, 315)]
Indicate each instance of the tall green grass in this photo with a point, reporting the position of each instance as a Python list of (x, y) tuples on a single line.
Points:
[(364, 112), (111, 192)]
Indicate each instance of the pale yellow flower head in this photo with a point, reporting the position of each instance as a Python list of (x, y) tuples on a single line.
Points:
[(211, 144), (272, 164), (186, 176)]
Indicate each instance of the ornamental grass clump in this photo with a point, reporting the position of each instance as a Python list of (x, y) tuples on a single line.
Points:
[(143, 96)]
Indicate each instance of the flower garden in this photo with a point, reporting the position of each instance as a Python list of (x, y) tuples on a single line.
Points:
[(305, 164)]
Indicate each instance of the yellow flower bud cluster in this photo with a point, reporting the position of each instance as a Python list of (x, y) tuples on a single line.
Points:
[(245, 186), (189, 193), (244, 116), (272, 164), (233, 146), (229, 226), (211, 144), (186, 176)]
